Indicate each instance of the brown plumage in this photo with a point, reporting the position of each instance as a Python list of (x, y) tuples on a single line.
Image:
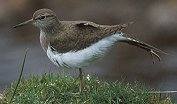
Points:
[(77, 35), (65, 36)]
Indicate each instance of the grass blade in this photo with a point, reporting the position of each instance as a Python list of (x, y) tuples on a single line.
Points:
[(20, 76)]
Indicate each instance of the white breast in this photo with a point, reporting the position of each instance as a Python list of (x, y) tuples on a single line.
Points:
[(83, 58)]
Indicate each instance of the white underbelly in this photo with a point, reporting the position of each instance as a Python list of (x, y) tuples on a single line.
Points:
[(83, 58)]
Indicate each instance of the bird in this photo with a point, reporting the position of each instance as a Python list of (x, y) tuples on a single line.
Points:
[(78, 44)]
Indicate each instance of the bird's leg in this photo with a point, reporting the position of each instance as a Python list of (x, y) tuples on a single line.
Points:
[(81, 86)]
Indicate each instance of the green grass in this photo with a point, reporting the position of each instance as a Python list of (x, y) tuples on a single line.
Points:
[(59, 89)]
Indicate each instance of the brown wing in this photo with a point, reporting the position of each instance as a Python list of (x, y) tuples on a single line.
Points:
[(86, 25), (79, 35), (151, 49)]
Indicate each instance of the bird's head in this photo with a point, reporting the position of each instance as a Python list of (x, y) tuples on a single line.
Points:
[(41, 18)]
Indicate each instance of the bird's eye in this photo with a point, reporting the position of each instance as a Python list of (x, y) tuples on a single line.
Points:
[(42, 17)]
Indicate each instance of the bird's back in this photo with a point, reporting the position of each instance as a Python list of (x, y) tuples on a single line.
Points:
[(77, 35)]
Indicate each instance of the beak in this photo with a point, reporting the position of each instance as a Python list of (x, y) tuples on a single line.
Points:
[(23, 23)]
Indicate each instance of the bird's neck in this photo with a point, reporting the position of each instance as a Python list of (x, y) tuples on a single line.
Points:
[(52, 29)]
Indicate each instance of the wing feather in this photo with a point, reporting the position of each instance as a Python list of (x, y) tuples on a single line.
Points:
[(151, 49)]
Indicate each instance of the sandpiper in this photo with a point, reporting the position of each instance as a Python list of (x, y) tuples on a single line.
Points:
[(77, 44)]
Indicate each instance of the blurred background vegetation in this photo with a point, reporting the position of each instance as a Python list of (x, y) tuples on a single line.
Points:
[(156, 24)]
